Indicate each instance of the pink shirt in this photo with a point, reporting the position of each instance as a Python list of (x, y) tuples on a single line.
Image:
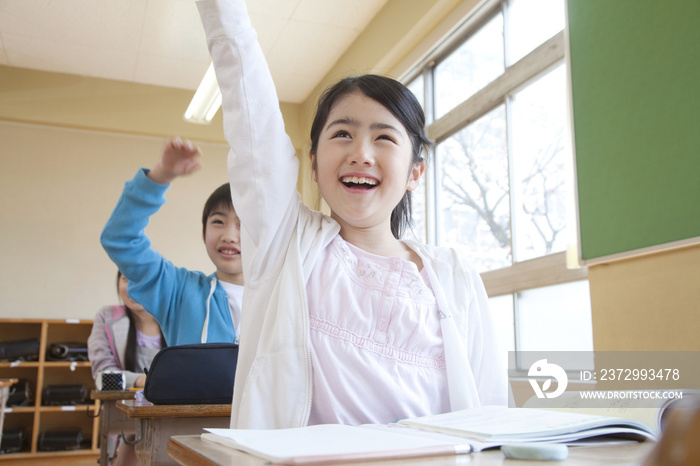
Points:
[(376, 345)]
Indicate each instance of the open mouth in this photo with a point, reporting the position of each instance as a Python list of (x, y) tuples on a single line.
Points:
[(229, 252), (359, 182)]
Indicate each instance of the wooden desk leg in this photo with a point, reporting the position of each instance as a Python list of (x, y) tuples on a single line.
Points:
[(112, 423), (144, 437), (152, 450), (105, 414)]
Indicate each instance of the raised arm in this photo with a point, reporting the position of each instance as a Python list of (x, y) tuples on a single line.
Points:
[(262, 164), (153, 281)]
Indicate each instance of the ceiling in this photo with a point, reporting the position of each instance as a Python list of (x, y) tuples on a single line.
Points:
[(161, 42)]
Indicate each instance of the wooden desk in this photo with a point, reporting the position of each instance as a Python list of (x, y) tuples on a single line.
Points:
[(157, 423), (112, 422), (191, 450)]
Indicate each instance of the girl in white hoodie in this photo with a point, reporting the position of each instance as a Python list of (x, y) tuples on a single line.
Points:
[(345, 322)]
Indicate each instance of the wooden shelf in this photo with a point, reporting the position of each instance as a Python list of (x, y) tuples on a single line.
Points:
[(18, 364), (35, 417)]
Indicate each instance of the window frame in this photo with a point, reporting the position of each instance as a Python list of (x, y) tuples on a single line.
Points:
[(553, 269)]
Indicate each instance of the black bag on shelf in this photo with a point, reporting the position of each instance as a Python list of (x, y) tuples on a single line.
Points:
[(23, 350), (58, 440), (20, 394), (192, 374), (67, 352), (61, 395), (12, 441)]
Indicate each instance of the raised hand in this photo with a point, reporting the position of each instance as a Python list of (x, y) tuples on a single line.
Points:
[(179, 157)]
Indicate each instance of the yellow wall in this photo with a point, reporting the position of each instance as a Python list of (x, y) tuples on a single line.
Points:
[(649, 302), (57, 189), (73, 101)]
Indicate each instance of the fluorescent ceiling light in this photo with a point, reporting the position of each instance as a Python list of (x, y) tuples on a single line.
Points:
[(206, 100)]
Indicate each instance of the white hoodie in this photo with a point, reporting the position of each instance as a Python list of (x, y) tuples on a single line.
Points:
[(282, 238)]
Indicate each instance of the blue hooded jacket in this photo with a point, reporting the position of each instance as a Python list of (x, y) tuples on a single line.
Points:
[(181, 300)]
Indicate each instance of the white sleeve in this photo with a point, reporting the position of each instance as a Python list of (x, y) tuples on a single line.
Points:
[(262, 165), (487, 352)]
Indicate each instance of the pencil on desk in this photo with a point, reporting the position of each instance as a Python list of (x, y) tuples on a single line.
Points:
[(442, 450)]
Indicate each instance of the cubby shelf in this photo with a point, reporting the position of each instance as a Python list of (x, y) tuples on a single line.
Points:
[(35, 418)]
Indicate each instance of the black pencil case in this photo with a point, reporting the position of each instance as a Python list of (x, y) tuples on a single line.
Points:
[(192, 374)]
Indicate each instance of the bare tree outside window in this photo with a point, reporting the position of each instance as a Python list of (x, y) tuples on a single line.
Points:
[(500, 187), (474, 193), (543, 184)]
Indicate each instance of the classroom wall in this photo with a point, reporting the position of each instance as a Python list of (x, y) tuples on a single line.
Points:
[(66, 100), (650, 302), (57, 189), (81, 102), (635, 102)]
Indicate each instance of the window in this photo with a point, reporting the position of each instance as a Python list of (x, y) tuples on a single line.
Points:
[(500, 185)]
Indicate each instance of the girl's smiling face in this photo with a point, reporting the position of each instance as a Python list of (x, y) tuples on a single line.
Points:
[(364, 162)]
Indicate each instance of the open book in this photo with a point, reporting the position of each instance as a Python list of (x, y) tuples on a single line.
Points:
[(332, 443), (462, 431), (486, 427), (629, 405), (570, 418)]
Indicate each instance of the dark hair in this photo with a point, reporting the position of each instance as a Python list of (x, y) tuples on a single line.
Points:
[(221, 197), (401, 102), (130, 350)]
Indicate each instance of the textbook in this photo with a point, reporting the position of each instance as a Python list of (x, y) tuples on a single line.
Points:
[(494, 426), (628, 404), (458, 432), (331, 443), (630, 414)]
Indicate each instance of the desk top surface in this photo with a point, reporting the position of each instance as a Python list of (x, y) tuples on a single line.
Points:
[(192, 450), (145, 409)]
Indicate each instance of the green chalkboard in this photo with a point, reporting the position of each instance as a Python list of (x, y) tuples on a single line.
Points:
[(635, 83)]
